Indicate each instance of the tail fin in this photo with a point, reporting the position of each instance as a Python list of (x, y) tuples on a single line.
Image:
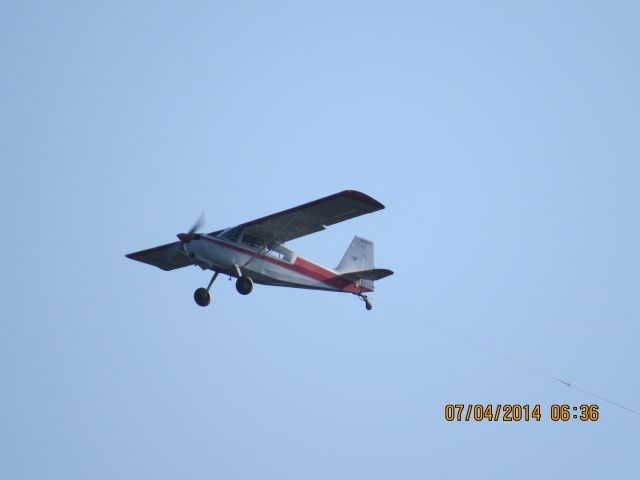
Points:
[(359, 256)]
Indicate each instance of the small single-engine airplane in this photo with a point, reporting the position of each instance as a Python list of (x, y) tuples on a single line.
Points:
[(254, 252)]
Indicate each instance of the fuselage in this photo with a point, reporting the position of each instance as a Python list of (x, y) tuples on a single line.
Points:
[(268, 264)]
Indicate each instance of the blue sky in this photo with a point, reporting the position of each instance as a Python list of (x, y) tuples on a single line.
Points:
[(501, 136)]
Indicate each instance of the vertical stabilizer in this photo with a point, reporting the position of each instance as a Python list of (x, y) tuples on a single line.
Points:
[(359, 256)]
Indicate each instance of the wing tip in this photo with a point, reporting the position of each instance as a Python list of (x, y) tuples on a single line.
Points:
[(363, 197)]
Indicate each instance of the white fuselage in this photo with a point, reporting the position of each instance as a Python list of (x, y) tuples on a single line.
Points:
[(278, 265)]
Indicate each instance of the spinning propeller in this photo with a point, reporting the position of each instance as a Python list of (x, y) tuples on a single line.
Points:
[(192, 235)]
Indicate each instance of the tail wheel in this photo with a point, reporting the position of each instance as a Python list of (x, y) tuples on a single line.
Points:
[(202, 297), (244, 285), (365, 299)]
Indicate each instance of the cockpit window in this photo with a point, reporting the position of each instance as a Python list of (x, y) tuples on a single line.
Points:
[(280, 252), (252, 240), (231, 234)]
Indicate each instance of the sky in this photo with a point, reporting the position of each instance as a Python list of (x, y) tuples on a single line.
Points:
[(502, 138)]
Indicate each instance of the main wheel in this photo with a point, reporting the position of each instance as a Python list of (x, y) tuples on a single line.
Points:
[(244, 285), (202, 297), (368, 305)]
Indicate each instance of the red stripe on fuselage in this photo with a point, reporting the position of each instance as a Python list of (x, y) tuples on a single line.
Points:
[(302, 266)]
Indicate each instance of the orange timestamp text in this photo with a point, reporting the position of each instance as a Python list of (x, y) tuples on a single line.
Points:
[(518, 412)]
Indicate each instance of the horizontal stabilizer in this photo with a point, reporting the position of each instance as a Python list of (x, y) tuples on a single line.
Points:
[(373, 274)]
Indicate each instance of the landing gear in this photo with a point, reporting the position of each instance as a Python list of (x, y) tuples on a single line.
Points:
[(244, 285), (365, 299), (202, 295)]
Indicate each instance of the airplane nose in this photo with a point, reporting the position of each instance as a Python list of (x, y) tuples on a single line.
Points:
[(184, 237)]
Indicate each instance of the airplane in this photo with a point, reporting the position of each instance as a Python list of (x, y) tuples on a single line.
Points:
[(255, 251)]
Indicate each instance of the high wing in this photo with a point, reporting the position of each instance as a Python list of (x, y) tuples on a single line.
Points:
[(167, 257), (312, 217)]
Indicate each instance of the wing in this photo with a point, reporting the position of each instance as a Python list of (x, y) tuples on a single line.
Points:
[(313, 216), (167, 257)]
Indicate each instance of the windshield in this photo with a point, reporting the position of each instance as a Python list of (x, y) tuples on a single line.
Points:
[(231, 234)]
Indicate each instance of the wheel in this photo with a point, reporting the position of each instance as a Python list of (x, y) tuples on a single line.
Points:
[(368, 305), (244, 285), (202, 297)]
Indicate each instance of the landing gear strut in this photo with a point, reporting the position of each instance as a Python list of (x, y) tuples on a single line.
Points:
[(202, 295), (365, 299)]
